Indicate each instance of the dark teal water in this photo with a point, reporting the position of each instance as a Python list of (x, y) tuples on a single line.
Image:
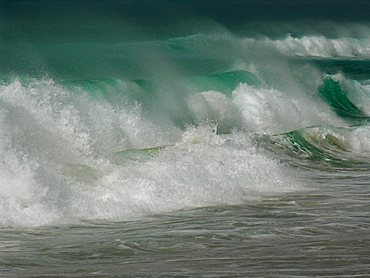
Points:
[(184, 138)]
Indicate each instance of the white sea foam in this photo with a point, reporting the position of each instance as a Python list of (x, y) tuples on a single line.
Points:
[(316, 46), (352, 143), (358, 93), (202, 169), (359, 140), (261, 110), (56, 150)]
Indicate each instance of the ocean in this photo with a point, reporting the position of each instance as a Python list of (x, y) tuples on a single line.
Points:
[(184, 138)]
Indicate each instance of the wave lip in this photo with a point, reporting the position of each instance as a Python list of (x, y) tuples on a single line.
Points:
[(324, 147), (348, 98), (332, 92)]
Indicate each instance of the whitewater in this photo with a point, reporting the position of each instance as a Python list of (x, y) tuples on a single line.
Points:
[(135, 145)]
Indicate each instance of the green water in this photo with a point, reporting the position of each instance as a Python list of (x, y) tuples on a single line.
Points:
[(184, 138)]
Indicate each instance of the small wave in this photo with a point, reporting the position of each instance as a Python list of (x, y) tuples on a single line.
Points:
[(329, 147)]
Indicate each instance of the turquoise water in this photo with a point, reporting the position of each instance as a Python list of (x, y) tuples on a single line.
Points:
[(182, 138)]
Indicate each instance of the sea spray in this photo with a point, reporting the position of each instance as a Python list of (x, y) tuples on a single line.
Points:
[(188, 138), (60, 153)]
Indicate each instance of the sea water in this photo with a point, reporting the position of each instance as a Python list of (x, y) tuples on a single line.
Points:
[(181, 138)]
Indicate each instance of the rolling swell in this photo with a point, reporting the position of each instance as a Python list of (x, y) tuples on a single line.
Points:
[(325, 148), (123, 130), (184, 138)]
